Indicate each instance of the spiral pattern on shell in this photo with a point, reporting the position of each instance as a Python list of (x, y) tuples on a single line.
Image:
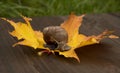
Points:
[(57, 36)]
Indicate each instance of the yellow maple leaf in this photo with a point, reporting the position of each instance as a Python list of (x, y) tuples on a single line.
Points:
[(24, 32), (35, 39), (77, 40)]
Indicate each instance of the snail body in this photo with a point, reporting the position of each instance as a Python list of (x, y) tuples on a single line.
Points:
[(57, 36)]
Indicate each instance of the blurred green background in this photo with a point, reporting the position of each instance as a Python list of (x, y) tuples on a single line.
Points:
[(12, 8)]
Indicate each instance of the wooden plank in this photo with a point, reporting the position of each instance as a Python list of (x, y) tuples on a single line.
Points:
[(99, 58)]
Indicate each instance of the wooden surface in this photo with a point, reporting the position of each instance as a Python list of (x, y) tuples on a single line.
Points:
[(101, 58)]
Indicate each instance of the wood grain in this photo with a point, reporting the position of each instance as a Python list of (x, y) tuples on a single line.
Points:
[(99, 58)]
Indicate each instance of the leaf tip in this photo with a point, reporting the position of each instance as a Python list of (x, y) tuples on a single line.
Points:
[(78, 59), (40, 53), (3, 18), (113, 36)]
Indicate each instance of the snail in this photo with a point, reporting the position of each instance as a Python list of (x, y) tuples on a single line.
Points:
[(56, 37)]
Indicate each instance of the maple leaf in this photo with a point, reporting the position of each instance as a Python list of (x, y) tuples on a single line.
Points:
[(77, 40), (24, 32), (35, 39)]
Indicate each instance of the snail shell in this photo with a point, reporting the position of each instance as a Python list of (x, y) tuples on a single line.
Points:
[(57, 36)]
